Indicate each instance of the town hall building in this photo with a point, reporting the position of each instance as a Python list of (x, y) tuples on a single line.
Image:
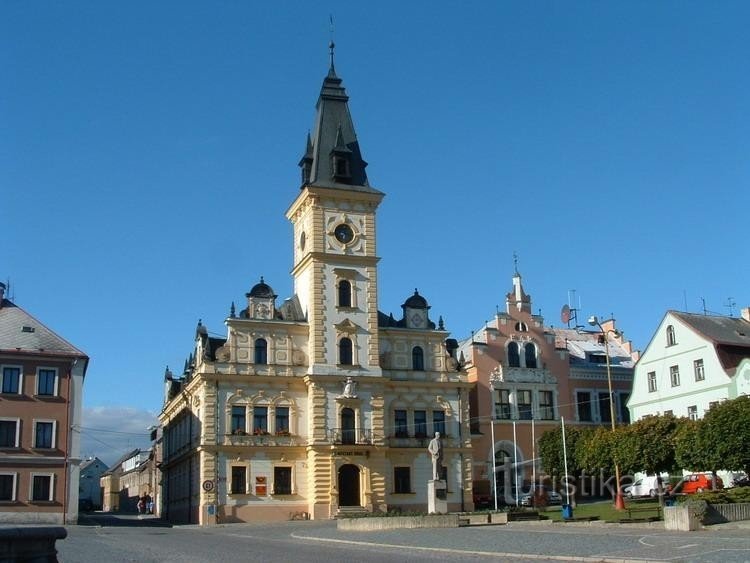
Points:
[(319, 404)]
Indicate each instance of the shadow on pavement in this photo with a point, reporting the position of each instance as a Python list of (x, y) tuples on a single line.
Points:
[(112, 519)]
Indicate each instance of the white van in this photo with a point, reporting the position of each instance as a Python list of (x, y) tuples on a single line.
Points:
[(648, 486)]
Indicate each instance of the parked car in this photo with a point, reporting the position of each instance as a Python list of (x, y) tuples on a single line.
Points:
[(645, 487), (545, 495), (699, 482)]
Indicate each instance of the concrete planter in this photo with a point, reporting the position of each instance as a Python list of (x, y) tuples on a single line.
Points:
[(498, 517), (681, 519), (721, 513), (398, 522), (476, 519)]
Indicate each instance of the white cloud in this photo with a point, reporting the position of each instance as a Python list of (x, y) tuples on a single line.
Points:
[(110, 432)]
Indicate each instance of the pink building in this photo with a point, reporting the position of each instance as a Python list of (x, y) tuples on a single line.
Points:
[(528, 376)]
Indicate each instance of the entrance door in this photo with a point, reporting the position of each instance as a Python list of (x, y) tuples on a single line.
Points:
[(347, 426), (349, 485)]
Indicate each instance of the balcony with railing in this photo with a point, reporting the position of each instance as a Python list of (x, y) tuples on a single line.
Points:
[(349, 436)]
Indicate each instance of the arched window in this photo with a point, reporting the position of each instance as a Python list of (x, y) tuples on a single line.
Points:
[(417, 358), (671, 341), (530, 353), (261, 351), (348, 431), (345, 351), (514, 360), (345, 293), (522, 327)]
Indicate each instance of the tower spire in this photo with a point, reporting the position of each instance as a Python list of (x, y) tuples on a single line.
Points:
[(331, 46)]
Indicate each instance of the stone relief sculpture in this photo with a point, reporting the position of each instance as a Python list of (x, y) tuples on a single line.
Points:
[(349, 389)]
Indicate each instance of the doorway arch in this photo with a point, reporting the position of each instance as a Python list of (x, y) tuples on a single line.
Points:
[(349, 485)]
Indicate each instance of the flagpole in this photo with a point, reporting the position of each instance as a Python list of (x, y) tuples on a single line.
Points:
[(515, 460), (565, 460)]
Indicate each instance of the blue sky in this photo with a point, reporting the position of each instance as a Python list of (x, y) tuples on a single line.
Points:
[(148, 152)]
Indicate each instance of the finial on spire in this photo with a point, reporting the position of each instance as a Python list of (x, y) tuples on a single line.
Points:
[(515, 262), (331, 44)]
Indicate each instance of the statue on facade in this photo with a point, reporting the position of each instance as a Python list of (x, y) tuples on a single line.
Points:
[(436, 450), (349, 389)]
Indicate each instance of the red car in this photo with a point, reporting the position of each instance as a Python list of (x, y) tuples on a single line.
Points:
[(699, 482)]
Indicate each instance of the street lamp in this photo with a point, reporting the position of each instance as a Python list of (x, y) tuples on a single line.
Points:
[(494, 376), (594, 321)]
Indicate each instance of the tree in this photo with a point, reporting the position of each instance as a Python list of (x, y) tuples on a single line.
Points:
[(726, 431), (688, 454), (551, 450), (594, 451), (647, 445)]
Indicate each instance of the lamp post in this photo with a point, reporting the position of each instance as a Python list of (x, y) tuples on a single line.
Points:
[(494, 376), (594, 321)]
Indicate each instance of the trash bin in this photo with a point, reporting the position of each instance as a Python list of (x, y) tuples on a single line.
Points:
[(668, 502), (567, 512)]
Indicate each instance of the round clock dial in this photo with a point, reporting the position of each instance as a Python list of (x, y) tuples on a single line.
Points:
[(343, 233)]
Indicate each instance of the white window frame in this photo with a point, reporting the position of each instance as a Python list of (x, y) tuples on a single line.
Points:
[(693, 412), (651, 380), (51, 487), (248, 486), (56, 390), (18, 429), (674, 375), (20, 378), (699, 368), (14, 493), (54, 433)]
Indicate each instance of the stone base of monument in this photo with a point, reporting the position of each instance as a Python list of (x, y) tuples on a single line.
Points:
[(437, 497)]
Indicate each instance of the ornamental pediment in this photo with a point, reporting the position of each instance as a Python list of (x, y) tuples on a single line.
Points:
[(346, 326), (525, 375)]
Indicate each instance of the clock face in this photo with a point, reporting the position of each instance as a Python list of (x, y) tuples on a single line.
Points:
[(344, 233)]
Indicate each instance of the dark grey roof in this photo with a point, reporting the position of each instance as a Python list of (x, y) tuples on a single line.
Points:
[(416, 301), (722, 330), (19, 331), (262, 289), (333, 132)]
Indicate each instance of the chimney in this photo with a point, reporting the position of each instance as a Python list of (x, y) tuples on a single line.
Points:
[(745, 313)]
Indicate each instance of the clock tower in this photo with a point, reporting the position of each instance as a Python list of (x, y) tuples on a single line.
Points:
[(335, 261)]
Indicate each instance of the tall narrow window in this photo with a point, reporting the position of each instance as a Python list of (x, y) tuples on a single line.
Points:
[(46, 382), (44, 435), (700, 374), (583, 403), (502, 404), (420, 424), (438, 422), (671, 341), (7, 486), (605, 414), (260, 420), (693, 412), (530, 353), (514, 359), (282, 420), (261, 351), (348, 429), (345, 293), (282, 480), (345, 351), (624, 412), (8, 433), (524, 404), (651, 381), (238, 419), (417, 358), (546, 405), (41, 488), (674, 375), (11, 380), (400, 426), (401, 480), (239, 480)]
